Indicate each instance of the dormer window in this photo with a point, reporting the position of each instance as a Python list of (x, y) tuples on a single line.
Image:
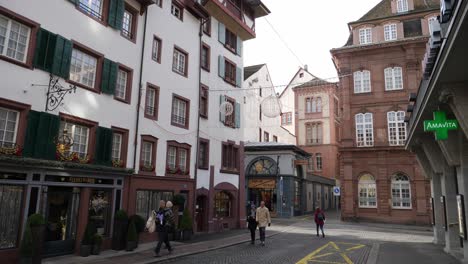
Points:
[(402, 6), (390, 32), (365, 35)]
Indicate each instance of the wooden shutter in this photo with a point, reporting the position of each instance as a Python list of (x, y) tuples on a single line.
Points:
[(103, 154), (62, 57), (239, 46), (45, 46), (31, 133), (109, 76), (116, 13), (221, 33), (221, 71), (238, 77), (237, 116), (222, 117), (47, 131)]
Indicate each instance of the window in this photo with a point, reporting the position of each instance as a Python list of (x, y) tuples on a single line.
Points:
[(393, 79), (430, 22), (364, 130), (12, 199), (308, 105), (207, 26), (178, 158), (204, 154), (8, 127), (99, 212), (121, 85), (14, 39), (230, 120), (313, 133), (230, 157), (365, 35), (129, 23), (367, 191), (230, 72), (310, 163), (180, 63), (152, 101), (231, 40), (297, 195), (313, 104), (156, 53), (319, 104), (401, 191), (180, 112), (390, 32), (147, 153), (402, 6), (92, 7), (80, 135), (275, 139), (116, 146), (204, 102), (362, 82), (260, 112), (147, 201), (301, 75), (318, 158), (83, 68), (205, 57), (222, 204), (286, 118), (266, 136), (396, 128), (177, 11)]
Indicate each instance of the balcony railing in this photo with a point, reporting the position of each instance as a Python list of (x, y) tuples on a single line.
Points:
[(238, 13)]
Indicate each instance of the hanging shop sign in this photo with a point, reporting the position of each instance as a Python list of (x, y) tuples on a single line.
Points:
[(79, 180), (262, 184), (440, 125)]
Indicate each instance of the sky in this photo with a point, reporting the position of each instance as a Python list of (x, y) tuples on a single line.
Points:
[(310, 28)]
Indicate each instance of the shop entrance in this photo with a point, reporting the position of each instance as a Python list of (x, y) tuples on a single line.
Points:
[(266, 195), (60, 221), (201, 213)]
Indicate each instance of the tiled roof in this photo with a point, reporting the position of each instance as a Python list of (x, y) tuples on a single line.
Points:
[(384, 9), (314, 82), (250, 70)]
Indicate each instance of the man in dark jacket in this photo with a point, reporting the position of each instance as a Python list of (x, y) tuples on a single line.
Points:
[(252, 224), (161, 228)]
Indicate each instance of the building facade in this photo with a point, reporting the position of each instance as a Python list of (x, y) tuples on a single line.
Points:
[(379, 67), (438, 128), (127, 151), (262, 116)]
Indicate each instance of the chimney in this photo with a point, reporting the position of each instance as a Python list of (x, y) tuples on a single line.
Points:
[(306, 68)]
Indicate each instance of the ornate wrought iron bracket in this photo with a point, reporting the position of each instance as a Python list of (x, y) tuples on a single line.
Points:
[(55, 93)]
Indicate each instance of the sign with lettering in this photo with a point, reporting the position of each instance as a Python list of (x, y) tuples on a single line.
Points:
[(262, 184), (440, 125)]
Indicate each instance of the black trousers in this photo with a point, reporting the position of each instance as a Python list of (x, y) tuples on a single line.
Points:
[(252, 233), (262, 233), (163, 238), (321, 228)]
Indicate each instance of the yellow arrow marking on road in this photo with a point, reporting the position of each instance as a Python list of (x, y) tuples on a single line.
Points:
[(315, 257)]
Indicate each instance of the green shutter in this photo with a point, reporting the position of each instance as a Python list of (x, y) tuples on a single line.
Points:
[(238, 77), (62, 57), (116, 13), (103, 154), (31, 133), (47, 131), (239, 46), (237, 115), (221, 33), (222, 117), (221, 71), (109, 76), (44, 52)]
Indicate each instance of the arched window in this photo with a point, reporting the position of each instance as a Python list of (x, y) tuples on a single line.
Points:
[(396, 128), (401, 191), (364, 130), (367, 191), (263, 166), (222, 204)]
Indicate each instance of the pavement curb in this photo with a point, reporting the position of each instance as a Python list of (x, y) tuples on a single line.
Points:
[(174, 257), (374, 254)]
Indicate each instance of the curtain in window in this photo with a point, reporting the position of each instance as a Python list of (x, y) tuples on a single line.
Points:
[(10, 213)]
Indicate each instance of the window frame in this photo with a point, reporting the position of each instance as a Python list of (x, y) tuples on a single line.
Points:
[(124, 143), (393, 76), (187, 111), (396, 140), (358, 77), (318, 126), (230, 155), (208, 57), (178, 147), (266, 136), (150, 86), (318, 161), (128, 85), (207, 29), (217, 203), (181, 10), (134, 23), (230, 41), (275, 138), (174, 67), (365, 142), (15, 131), (398, 185), (204, 101), (206, 157), (91, 125), (365, 35), (158, 52), (230, 120), (99, 61), (402, 6), (390, 32), (31, 44), (287, 117), (227, 75), (367, 185), (104, 12), (154, 142), (22, 120)]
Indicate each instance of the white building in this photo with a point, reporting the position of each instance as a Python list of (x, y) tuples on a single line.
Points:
[(262, 124)]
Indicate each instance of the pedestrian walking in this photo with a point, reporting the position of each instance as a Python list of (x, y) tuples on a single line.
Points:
[(252, 224), (263, 219), (319, 217), (161, 228)]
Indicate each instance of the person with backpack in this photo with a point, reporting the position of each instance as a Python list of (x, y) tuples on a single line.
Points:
[(161, 228), (319, 218)]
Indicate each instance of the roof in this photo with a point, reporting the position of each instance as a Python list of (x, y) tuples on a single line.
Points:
[(314, 82), (268, 146), (250, 70), (384, 9), (294, 77)]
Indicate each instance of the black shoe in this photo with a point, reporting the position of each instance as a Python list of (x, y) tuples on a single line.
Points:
[(323, 235), (252, 242), (317, 234), (156, 255), (170, 250)]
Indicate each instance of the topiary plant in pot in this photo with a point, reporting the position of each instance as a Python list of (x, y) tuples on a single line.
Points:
[(119, 234), (36, 223), (26, 247), (87, 240), (186, 225), (140, 225), (131, 236), (97, 242)]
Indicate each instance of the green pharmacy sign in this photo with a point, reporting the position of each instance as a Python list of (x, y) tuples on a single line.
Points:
[(440, 125)]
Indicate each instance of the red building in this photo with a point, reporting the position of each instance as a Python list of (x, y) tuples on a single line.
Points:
[(379, 67)]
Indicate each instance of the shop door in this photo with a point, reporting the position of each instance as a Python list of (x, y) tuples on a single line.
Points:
[(201, 211), (60, 221)]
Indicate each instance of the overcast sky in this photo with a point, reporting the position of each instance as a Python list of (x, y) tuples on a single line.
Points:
[(310, 28)]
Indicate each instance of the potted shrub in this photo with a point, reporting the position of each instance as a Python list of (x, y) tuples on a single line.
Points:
[(119, 234), (36, 223), (131, 236), (87, 241), (140, 225), (26, 247), (97, 242), (186, 225)]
